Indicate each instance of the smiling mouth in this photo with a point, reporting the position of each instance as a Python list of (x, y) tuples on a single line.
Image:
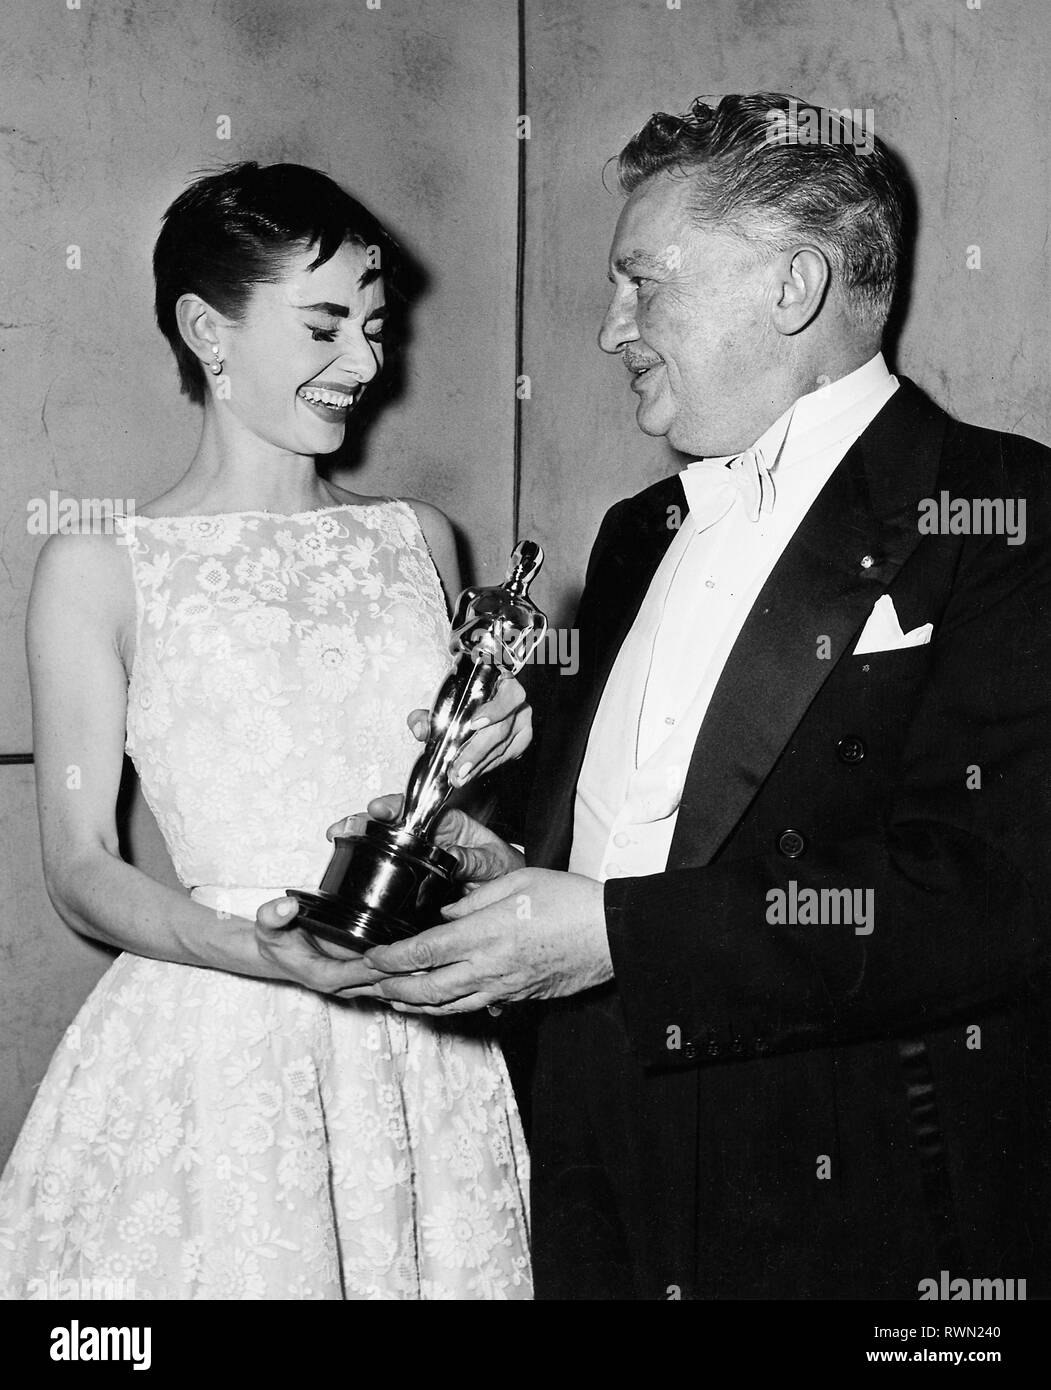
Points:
[(334, 401)]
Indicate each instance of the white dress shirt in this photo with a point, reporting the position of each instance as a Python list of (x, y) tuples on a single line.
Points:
[(662, 680)]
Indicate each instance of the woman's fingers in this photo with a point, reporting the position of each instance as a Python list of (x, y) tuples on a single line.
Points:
[(419, 721), (277, 914), (504, 723), (295, 956), (500, 730), (498, 744)]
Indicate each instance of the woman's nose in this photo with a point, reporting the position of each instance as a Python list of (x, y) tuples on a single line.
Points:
[(361, 358)]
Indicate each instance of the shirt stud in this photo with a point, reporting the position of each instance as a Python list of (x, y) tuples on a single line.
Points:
[(867, 562)]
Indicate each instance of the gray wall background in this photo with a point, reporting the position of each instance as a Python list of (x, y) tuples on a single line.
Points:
[(106, 110)]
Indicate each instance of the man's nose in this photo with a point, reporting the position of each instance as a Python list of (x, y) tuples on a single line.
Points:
[(618, 327)]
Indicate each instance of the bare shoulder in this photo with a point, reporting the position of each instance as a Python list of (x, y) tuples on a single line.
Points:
[(432, 519), (441, 541), (83, 580)]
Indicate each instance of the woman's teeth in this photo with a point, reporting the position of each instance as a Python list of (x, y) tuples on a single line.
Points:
[(335, 400)]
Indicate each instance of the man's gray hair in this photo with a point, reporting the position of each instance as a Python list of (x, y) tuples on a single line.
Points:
[(758, 171)]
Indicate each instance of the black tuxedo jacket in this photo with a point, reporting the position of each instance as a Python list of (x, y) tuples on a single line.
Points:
[(767, 1109)]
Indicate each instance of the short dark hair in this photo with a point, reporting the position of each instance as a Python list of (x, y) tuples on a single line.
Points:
[(239, 227), (771, 191)]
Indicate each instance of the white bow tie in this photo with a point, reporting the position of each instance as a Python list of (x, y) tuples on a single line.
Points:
[(712, 488)]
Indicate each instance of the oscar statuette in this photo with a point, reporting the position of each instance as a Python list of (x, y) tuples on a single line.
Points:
[(390, 880)]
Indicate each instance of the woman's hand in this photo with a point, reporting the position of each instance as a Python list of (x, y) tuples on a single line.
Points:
[(290, 954), (480, 855), (504, 730)]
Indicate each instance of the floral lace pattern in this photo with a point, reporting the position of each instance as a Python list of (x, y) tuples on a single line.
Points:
[(204, 1135)]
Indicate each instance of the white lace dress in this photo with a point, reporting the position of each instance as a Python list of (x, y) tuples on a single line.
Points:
[(203, 1135)]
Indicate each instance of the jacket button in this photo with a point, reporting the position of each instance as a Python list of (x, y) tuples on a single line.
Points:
[(850, 749), (689, 1052), (791, 844), (713, 1048)]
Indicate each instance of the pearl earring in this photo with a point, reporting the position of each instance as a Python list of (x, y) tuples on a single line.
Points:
[(216, 367)]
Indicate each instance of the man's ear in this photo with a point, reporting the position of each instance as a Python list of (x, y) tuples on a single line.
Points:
[(803, 278), (201, 327)]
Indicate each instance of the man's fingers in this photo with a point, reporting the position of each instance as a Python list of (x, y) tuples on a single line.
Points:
[(349, 825), (476, 865), (485, 895), (380, 808), (438, 946), (435, 989), (470, 1005), (455, 828)]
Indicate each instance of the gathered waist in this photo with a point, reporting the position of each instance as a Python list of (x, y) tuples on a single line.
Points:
[(239, 900)]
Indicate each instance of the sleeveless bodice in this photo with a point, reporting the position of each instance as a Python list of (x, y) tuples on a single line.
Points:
[(276, 660)]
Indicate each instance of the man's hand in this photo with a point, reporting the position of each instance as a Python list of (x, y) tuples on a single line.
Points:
[(532, 934), (504, 730), (480, 854)]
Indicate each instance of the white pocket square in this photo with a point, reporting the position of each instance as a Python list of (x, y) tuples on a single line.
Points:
[(882, 632)]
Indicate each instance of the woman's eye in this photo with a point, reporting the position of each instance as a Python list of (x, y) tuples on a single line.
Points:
[(323, 335)]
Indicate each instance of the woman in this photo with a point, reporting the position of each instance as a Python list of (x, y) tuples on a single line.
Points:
[(218, 1122)]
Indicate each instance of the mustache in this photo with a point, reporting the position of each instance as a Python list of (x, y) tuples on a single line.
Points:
[(637, 364)]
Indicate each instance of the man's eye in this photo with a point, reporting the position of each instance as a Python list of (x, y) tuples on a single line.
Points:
[(323, 335), (375, 335)]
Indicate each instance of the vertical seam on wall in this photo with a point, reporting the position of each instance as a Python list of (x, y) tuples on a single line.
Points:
[(520, 237)]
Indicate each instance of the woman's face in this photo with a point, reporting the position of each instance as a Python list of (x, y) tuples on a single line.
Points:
[(304, 350)]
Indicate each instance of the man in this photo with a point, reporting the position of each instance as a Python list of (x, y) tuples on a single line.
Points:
[(790, 833)]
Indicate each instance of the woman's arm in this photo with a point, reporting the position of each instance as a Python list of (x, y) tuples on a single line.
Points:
[(82, 602)]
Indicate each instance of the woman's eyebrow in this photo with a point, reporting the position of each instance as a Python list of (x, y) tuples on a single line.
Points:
[(339, 311)]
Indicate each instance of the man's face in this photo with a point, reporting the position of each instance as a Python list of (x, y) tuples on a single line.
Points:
[(691, 316)]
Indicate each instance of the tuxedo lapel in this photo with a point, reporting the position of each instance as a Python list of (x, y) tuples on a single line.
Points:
[(847, 550)]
